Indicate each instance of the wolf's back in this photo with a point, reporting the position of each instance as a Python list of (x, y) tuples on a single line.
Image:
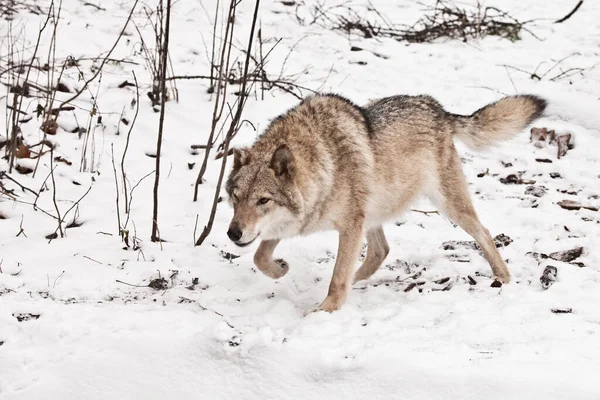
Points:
[(499, 121)]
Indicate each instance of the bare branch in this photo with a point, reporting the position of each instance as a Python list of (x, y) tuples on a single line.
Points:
[(219, 102), (3, 174), (569, 15), (163, 90), (231, 132)]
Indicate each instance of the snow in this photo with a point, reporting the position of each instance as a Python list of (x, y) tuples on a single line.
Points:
[(236, 333)]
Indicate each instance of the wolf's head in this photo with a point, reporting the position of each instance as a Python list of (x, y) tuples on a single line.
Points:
[(263, 193)]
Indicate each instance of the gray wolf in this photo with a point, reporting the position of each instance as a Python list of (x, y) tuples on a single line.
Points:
[(328, 164)]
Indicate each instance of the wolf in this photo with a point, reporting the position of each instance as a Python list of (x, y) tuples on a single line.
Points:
[(329, 164)]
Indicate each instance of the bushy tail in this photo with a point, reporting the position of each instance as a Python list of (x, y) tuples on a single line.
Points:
[(499, 121)]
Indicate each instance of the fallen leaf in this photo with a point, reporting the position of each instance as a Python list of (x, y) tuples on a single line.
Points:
[(23, 152), (49, 127), (62, 160)]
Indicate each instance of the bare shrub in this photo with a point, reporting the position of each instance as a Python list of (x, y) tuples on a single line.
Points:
[(152, 52), (235, 122), (445, 20)]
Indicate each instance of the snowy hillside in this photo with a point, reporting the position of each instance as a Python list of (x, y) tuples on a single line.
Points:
[(90, 316)]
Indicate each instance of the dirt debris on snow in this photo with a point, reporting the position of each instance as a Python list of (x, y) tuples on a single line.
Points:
[(562, 310), (544, 136), (23, 317), (159, 284), (575, 205), (500, 240), (549, 276)]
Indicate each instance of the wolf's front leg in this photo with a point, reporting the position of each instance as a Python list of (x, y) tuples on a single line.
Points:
[(263, 259), (348, 251)]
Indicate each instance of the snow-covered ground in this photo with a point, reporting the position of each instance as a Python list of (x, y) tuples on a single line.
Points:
[(222, 330)]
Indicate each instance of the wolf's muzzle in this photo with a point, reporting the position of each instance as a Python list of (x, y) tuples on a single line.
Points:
[(234, 233)]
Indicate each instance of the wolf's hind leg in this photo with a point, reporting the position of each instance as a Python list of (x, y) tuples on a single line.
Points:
[(263, 259), (377, 251), (456, 203)]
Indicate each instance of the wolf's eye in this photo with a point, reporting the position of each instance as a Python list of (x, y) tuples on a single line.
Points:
[(234, 197), (263, 200)]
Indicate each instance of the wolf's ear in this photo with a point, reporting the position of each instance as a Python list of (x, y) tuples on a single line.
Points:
[(282, 161), (241, 157)]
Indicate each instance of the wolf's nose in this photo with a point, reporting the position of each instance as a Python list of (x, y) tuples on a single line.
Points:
[(234, 233)]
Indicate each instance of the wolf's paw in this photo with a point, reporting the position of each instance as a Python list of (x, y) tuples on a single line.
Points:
[(500, 279), (330, 304), (358, 277), (277, 269), (283, 269), (317, 309), (311, 311)]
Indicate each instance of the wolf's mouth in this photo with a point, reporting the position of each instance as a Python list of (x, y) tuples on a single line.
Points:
[(247, 243)]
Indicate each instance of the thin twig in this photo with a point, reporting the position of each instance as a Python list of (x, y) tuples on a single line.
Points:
[(36, 208), (21, 230), (425, 212), (3, 174), (130, 284), (91, 259), (131, 196), (62, 234), (137, 109), (217, 313), (76, 204), (112, 155), (511, 80), (214, 37), (195, 227), (569, 15), (58, 278)]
